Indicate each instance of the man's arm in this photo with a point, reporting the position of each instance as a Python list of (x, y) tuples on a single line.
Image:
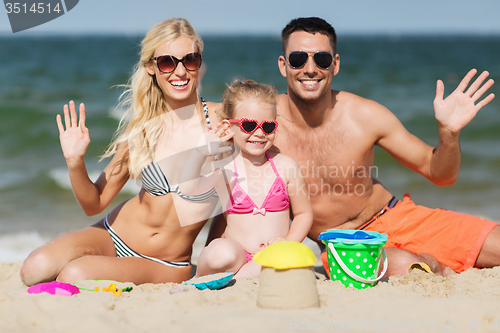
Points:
[(440, 165), (453, 114)]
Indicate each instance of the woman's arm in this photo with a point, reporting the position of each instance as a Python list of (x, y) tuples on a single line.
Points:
[(75, 139)]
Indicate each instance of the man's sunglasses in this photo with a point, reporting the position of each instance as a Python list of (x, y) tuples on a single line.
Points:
[(250, 125), (297, 59), (168, 63)]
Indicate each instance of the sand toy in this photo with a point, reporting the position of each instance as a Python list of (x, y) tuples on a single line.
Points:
[(54, 288), (287, 279), (212, 281), (91, 285), (111, 289), (354, 256)]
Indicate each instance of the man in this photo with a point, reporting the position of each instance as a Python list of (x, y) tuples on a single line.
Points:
[(332, 135)]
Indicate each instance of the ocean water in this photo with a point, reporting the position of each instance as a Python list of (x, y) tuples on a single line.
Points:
[(39, 74)]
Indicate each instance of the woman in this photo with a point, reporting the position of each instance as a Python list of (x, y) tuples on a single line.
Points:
[(143, 239)]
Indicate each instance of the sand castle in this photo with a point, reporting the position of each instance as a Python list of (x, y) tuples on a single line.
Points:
[(287, 279)]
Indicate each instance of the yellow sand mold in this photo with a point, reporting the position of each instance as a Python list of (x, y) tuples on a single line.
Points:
[(285, 255)]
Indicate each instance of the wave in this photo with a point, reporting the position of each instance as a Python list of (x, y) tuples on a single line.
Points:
[(16, 247), (61, 177), (117, 112)]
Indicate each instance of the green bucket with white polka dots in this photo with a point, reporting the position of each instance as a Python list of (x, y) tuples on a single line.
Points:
[(354, 256)]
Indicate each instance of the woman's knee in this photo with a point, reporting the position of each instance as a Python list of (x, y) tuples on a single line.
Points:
[(74, 271), (38, 267)]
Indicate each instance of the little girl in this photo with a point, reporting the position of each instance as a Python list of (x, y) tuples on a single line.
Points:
[(260, 186)]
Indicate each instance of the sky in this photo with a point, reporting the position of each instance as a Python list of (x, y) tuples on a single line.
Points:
[(268, 17)]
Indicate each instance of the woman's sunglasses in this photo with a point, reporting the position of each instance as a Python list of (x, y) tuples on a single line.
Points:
[(250, 125), (168, 63), (297, 59)]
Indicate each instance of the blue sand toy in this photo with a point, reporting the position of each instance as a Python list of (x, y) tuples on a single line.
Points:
[(212, 281)]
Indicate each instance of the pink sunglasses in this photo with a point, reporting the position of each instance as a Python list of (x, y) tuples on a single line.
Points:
[(250, 125)]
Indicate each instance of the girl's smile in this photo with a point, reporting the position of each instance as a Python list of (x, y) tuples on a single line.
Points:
[(254, 145)]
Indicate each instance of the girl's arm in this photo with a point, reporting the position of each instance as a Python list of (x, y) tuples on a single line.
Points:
[(299, 202), (75, 139)]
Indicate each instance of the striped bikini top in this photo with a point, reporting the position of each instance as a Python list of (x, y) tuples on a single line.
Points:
[(275, 201), (156, 183)]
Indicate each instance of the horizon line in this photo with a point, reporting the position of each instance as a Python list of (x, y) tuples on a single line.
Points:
[(255, 34)]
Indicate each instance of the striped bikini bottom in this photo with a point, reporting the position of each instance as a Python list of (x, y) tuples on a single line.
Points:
[(122, 249)]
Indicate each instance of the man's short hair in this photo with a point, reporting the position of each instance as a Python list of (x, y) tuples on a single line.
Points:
[(311, 25)]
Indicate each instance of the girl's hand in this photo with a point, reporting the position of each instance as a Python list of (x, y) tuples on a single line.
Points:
[(75, 138), (215, 141), (275, 240)]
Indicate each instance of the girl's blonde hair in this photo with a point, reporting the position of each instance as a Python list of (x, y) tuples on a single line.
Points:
[(240, 90), (143, 99)]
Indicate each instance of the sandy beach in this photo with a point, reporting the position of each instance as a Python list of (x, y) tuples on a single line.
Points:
[(467, 302)]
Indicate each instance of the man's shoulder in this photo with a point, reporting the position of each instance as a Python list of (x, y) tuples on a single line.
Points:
[(353, 99), (358, 106)]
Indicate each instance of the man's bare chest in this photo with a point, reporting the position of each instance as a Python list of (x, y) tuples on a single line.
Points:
[(328, 156)]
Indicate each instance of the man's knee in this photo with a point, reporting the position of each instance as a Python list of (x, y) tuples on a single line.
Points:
[(399, 261), (489, 255)]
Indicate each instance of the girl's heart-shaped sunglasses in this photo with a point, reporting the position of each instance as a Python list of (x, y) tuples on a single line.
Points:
[(250, 125)]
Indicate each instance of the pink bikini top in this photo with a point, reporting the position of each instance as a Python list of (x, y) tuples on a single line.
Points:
[(275, 201)]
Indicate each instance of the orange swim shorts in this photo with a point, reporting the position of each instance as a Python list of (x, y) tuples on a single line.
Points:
[(454, 239)]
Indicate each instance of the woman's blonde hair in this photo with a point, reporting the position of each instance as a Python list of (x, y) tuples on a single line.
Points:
[(143, 99), (240, 90)]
